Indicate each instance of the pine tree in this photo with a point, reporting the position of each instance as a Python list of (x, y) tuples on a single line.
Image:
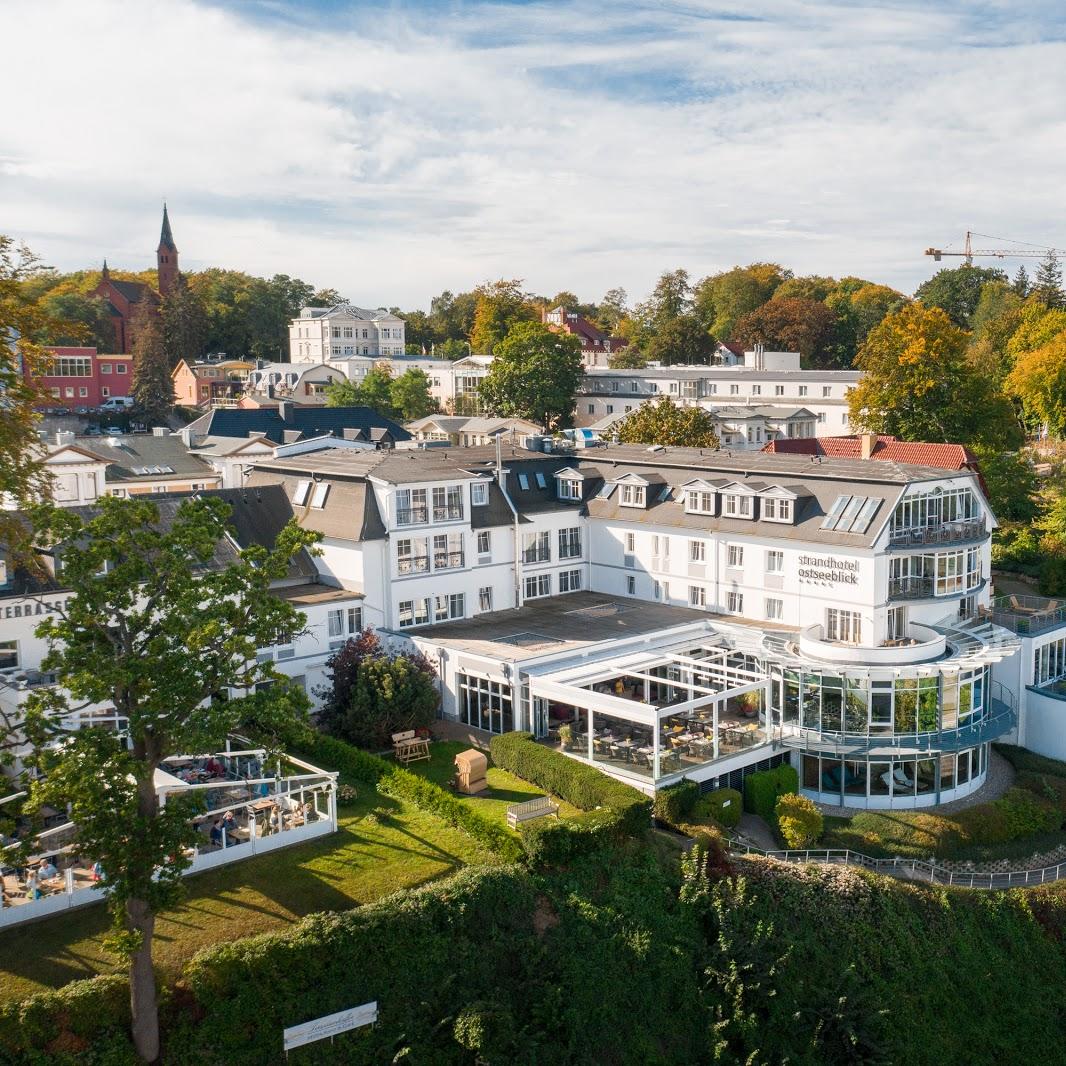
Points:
[(184, 325), (1048, 285), (152, 388), (1021, 282)]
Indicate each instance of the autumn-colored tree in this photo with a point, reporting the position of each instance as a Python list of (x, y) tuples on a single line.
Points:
[(500, 305), (919, 385), (535, 375), (792, 325), (663, 422), (1038, 380), (720, 300)]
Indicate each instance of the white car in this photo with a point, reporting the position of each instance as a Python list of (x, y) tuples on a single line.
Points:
[(117, 403)]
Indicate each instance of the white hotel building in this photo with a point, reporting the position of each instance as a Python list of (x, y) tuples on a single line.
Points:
[(666, 613), (324, 333)]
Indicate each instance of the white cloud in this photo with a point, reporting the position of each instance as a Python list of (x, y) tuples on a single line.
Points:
[(391, 154)]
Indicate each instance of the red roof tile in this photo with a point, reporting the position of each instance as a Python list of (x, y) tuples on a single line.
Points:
[(887, 449)]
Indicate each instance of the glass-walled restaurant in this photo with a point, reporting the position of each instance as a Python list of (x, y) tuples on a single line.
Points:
[(877, 740), (659, 719)]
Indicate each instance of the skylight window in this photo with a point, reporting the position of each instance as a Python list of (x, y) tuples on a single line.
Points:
[(666, 493), (299, 497), (830, 520), (851, 514), (321, 492), (523, 481), (866, 516), (605, 491), (541, 483)]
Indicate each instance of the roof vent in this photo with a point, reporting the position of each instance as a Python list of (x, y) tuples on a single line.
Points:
[(656, 448)]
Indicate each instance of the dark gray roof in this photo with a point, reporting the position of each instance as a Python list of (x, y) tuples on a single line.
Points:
[(308, 421), (132, 453), (350, 511)]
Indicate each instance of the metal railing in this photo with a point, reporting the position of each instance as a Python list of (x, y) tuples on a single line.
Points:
[(447, 560), (910, 869), (412, 516), (447, 514), (910, 588), (415, 564), (944, 533), (1026, 615)]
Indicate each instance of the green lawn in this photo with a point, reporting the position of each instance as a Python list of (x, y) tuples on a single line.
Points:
[(381, 846), (504, 788)]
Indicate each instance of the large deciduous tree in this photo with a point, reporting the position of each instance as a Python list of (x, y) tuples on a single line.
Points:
[(535, 375), (680, 340), (410, 396), (1039, 381), (720, 300), (154, 627), (957, 291), (663, 422), (919, 385), (500, 306), (152, 387), (793, 324)]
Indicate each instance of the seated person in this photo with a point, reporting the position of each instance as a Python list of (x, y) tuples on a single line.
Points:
[(48, 870), (216, 833), (229, 823)]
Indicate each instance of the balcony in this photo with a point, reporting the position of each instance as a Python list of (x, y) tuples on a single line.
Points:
[(452, 513), (413, 564), (921, 645), (1028, 616), (447, 560), (910, 588), (412, 516), (944, 533)]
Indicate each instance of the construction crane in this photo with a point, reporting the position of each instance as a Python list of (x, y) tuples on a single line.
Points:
[(1029, 251)]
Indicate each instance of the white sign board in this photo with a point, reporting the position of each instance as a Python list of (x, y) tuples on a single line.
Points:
[(330, 1025)]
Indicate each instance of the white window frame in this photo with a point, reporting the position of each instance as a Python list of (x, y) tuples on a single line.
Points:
[(735, 556), (775, 561)]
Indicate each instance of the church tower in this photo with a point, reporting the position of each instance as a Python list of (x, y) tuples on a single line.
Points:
[(167, 258)]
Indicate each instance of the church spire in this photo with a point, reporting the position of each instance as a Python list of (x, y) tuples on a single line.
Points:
[(105, 274), (166, 238)]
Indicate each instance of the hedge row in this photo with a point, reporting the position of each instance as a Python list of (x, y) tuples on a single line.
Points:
[(675, 802), (762, 789), (394, 781), (83, 1022), (724, 805), (613, 810)]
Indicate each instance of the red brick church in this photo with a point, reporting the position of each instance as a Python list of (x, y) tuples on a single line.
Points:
[(124, 296)]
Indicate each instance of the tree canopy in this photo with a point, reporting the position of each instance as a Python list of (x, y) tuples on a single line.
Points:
[(535, 375), (405, 397), (152, 387), (157, 630), (500, 306), (792, 324), (919, 385), (957, 290), (663, 422)]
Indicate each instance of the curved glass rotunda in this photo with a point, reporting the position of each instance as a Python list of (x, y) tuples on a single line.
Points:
[(880, 733)]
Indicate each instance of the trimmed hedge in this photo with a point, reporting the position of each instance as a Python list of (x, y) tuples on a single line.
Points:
[(724, 805), (762, 789), (428, 796), (394, 781), (612, 810), (674, 803), (577, 783), (1025, 761), (83, 1022)]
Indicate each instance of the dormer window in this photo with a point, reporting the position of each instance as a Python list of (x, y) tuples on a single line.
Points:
[(735, 505), (569, 489), (775, 509), (697, 501), (633, 496)]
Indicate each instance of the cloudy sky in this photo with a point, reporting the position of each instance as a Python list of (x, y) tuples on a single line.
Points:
[(393, 150)]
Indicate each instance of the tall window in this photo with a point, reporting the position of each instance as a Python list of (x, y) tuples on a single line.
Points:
[(447, 503), (484, 546), (734, 602), (484, 599), (479, 493), (775, 562), (411, 507), (536, 547), (736, 555), (570, 581), (485, 704), (697, 551), (538, 585), (631, 586), (775, 609), (412, 556), (697, 596), (570, 543), (844, 627)]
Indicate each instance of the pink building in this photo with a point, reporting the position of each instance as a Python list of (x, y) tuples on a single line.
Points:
[(80, 377)]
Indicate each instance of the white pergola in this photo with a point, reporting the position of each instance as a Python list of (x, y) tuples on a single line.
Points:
[(699, 668)]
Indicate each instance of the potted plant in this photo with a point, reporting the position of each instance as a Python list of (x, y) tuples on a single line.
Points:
[(565, 735)]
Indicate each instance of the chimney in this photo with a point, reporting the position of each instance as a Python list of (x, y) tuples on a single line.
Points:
[(160, 431), (286, 409), (867, 442), (64, 436)]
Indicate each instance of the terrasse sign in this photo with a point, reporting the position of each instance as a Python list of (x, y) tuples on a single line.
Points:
[(825, 569), (30, 608), (331, 1025)]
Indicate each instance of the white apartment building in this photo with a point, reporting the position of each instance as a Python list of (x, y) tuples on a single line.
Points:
[(764, 398), (323, 333)]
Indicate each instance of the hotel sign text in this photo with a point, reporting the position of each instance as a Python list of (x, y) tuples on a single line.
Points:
[(824, 568)]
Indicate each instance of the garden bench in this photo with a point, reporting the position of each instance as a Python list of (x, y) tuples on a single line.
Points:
[(407, 747), (534, 808)]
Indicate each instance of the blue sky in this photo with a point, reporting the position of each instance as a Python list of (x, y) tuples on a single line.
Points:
[(392, 150)]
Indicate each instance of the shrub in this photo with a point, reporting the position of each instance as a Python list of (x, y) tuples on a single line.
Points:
[(577, 783), (558, 841), (673, 803), (1025, 761), (338, 755), (762, 789), (723, 805), (82, 1017), (799, 821)]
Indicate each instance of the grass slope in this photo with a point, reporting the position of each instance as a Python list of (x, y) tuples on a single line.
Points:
[(380, 847)]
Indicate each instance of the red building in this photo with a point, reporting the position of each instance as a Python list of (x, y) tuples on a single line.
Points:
[(80, 377), (123, 297), (596, 345)]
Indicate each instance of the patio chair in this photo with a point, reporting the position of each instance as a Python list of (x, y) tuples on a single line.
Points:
[(899, 775)]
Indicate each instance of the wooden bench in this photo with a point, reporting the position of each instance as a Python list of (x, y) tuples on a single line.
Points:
[(407, 747), (534, 808)]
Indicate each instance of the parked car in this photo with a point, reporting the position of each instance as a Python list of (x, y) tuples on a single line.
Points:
[(93, 431), (117, 403), (113, 431)]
